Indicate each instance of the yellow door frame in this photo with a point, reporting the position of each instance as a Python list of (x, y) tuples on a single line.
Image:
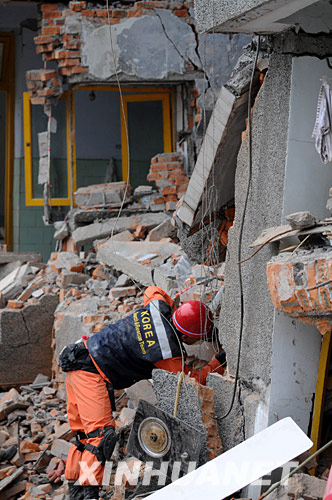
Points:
[(167, 129), (29, 199), (7, 84), (323, 369), (129, 94)]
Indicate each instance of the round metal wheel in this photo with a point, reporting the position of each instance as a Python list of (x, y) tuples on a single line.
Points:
[(154, 437)]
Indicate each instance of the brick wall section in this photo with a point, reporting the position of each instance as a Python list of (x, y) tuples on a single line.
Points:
[(293, 289), (43, 86), (55, 43), (170, 177), (210, 422)]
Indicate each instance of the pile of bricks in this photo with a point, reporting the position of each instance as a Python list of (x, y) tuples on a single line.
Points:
[(60, 40), (170, 177), (43, 85)]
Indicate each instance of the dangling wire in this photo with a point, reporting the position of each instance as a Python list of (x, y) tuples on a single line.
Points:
[(241, 232)]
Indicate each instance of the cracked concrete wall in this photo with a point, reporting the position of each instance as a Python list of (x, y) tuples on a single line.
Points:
[(180, 54), (25, 341), (264, 209)]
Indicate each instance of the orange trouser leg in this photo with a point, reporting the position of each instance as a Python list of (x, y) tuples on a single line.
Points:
[(88, 409)]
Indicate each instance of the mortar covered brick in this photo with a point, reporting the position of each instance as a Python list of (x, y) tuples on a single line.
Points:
[(295, 286)]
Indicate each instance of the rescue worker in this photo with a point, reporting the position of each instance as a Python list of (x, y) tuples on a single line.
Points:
[(118, 356)]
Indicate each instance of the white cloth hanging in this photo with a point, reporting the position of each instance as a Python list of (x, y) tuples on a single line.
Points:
[(322, 132)]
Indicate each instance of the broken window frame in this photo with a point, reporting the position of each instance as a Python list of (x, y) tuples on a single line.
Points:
[(135, 94), (167, 125), (7, 84), (30, 201), (129, 94)]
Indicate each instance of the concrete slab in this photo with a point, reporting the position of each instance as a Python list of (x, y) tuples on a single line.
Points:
[(6, 257), (25, 341), (216, 161), (99, 230)]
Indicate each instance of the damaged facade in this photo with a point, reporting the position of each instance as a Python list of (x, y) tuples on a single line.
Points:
[(196, 144), (71, 55), (284, 363)]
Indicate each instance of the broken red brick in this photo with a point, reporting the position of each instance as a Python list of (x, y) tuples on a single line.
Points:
[(168, 190), (49, 6), (52, 14), (15, 304), (88, 13), (51, 31)]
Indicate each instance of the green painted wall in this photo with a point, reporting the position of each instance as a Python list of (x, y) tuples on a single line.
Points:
[(29, 232)]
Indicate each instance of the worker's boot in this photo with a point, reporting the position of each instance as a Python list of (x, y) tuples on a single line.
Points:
[(7, 453), (91, 492), (75, 492)]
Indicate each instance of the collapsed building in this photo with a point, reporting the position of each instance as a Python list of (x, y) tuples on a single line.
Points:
[(277, 365)]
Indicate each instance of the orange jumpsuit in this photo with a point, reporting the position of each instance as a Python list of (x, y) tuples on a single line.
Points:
[(89, 405)]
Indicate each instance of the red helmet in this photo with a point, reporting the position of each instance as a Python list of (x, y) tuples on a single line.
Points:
[(193, 318)]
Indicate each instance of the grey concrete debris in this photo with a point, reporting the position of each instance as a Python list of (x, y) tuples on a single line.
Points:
[(5, 269), (189, 409), (163, 230), (231, 428), (6, 257), (87, 234), (142, 390), (216, 162), (123, 280), (125, 257), (62, 230), (298, 487), (72, 326), (26, 335), (142, 190), (14, 283), (68, 278), (301, 220), (110, 194)]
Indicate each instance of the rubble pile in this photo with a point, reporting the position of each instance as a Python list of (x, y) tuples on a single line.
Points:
[(33, 419), (82, 292)]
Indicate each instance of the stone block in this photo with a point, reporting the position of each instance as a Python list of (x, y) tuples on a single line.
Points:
[(231, 428), (70, 326), (123, 236), (60, 448), (123, 280), (26, 336), (142, 390), (190, 404), (298, 487), (163, 230), (125, 291), (301, 220)]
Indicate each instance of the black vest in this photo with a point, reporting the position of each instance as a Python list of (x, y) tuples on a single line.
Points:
[(127, 350)]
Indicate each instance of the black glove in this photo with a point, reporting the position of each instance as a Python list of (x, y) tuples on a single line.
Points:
[(221, 357)]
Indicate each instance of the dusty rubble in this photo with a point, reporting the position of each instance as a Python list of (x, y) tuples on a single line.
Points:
[(89, 290)]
